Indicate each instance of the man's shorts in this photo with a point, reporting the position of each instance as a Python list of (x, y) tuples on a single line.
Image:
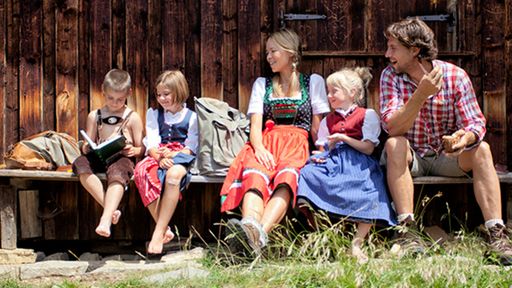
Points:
[(432, 164)]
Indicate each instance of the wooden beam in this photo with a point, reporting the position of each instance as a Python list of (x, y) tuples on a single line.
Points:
[(8, 230)]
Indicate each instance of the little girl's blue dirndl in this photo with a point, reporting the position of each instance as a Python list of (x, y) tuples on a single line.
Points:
[(349, 184)]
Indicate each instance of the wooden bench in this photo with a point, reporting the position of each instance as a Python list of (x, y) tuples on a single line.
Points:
[(9, 179)]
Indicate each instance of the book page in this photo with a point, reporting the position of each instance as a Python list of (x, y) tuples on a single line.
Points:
[(88, 139)]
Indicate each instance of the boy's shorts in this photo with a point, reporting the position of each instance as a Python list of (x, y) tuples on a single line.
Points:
[(120, 171), (432, 164)]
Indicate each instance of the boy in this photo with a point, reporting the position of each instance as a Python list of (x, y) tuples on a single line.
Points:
[(112, 119)]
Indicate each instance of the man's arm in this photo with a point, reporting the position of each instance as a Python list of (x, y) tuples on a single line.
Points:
[(403, 119)]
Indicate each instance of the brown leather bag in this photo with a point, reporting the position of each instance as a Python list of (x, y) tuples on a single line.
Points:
[(47, 150)]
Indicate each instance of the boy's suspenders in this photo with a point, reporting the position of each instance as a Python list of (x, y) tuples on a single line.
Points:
[(119, 129)]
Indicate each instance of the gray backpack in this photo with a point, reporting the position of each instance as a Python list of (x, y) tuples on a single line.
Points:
[(223, 131)]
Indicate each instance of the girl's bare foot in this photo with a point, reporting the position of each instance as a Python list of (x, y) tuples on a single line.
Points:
[(156, 245), (358, 253), (116, 216), (168, 236)]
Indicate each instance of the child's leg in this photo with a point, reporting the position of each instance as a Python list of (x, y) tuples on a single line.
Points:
[(94, 186), (113, 197), (168, 203), (357, 242), (153, 210)]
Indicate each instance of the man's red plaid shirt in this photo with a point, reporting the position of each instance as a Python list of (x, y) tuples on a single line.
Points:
[(454, 107)]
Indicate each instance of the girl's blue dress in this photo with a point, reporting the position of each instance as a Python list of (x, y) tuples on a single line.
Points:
[(349, 184)]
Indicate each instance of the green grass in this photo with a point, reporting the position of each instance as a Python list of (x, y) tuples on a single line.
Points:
[(298, 258)]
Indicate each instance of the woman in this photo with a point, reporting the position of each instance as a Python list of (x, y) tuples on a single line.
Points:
[(263, 178)]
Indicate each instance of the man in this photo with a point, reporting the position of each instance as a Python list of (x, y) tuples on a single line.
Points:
[(423, 103)]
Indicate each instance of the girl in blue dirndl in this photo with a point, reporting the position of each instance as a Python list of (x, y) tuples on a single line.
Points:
[(345, 180)]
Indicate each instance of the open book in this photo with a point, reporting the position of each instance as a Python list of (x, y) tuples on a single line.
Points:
[(107, 151)]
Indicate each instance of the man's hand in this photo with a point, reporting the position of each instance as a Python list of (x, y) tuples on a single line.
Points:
[(431, 82), (454, 144)]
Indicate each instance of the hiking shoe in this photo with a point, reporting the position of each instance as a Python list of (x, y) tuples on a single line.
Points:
[(236, 237), (409, 240), (252, 234), (499, 246)]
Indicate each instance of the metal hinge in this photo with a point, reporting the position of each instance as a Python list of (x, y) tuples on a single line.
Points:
[(298, 17), (450, 18)]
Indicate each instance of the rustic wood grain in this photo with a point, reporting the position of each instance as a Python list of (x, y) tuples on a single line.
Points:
[(67, 61), (48, 64), (156, 20), (8, 205), (30, 224), (84, 63), (101, 49), (3, 70), (211, 49), (11, 106)]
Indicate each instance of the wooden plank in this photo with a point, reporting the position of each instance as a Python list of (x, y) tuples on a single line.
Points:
[(381, 13), (136, 48), (84, 60), (211, 49), (8, 231), (494, 110), (230, 52), (30, 72), (250, 50), (30, 224), (67, 61), (193, 48), (494, 75), (155, 19), (48, 65), (3, 69), (508, 89), (10, 120), (100, 49), (118, 34), (173, 35)]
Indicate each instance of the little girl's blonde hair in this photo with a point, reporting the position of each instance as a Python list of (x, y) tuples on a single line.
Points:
[(352, 79), (175, 81)]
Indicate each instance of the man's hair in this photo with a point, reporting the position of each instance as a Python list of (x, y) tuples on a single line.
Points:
[(175, 81), (117, 80), (413, 32)]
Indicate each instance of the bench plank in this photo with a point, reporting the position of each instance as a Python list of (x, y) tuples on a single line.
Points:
[(69, 176)]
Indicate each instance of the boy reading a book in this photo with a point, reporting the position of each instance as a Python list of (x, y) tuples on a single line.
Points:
[(104, 124), (171, 141)]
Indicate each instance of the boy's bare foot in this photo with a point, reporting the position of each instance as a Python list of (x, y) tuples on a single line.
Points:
[(116, 216), (168, 236), (103, 230)]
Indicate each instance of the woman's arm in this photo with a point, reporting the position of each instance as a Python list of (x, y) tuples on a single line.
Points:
[(256, 137)]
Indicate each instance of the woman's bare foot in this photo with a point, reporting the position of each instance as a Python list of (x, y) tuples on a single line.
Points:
[(168, 236), (116, 216)]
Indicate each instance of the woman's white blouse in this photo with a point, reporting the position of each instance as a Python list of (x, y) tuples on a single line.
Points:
[(153, 139), (317, 95)]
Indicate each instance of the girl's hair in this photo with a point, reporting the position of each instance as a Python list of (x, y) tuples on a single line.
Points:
[(117, 80), (349, 79), (175, 81), (414, 33), (289, 41)]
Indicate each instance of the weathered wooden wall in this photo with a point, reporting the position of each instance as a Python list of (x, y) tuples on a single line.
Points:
[(54, 54)]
